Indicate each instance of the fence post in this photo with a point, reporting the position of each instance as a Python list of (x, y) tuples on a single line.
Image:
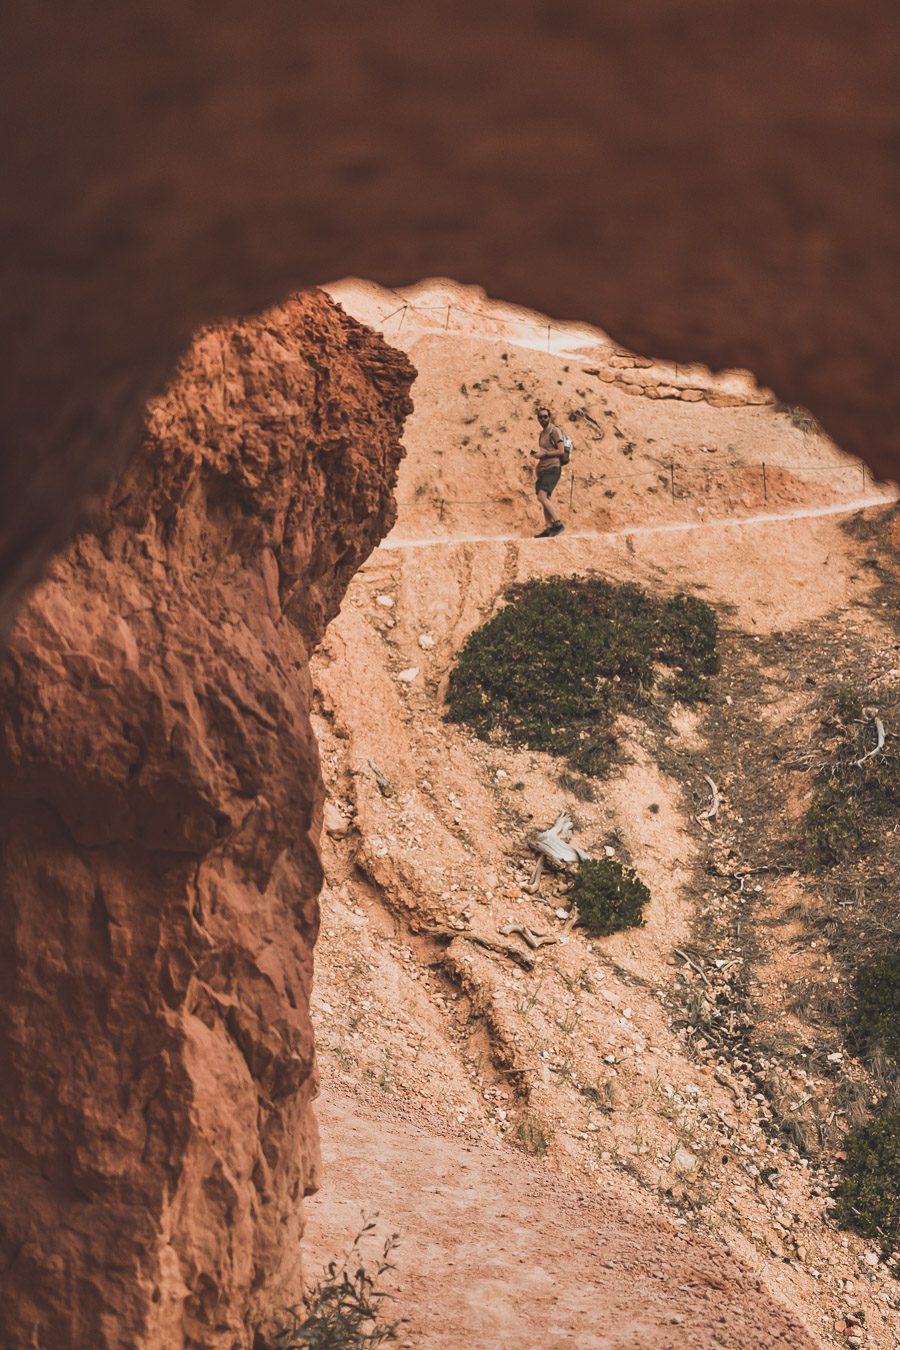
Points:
[(672, 475), (765, 484), (441, 510), (863, 467), (571, 490), (447, 322), (548, 337)]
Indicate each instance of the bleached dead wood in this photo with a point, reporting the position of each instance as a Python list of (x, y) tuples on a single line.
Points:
[(879, 732), (444, 934), (534, 940), (713, 809), (693, 964), (554, 844), (533, 887)]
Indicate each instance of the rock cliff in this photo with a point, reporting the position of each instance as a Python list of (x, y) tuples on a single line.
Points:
[(161, 806)]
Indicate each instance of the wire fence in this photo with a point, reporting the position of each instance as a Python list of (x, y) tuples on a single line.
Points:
[(546, 335), (674, 477), (678, 479)]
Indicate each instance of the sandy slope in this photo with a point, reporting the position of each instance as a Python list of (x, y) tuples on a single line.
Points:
[(498, 1252), (579, 1061)]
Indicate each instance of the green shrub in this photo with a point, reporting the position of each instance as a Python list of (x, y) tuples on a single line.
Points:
[(343, 1310), (608, 897), (878, 992), (868, 1198), (553, 669)]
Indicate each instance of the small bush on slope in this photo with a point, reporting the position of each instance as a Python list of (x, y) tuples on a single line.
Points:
[(878, 993), (343, 1311), (553, 669), (608, 897), (868, 1198)]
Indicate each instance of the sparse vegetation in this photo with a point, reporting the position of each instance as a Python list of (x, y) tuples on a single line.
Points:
[(580, 788), (344, 1310), (852, 799), (532, 1136), (554, 668), (868, 1198), (801, 418), (608, 897), (878, 991)]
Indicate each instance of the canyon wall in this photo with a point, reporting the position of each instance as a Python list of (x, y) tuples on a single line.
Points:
[(707, 182), (160, 805)]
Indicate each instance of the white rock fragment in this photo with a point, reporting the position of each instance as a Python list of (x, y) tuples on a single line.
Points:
[(426, 642), (407, 676), (336, 823), (384, 600)]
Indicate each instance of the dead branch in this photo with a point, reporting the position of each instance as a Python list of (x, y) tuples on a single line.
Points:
[(441, 933), (879, 732), (534, 940), (693, 964), (554, 845), (533, 887), (381, 778), (509, 949), (713, 809)]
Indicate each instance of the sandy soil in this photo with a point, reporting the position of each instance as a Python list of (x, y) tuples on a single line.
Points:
[(579, 1063), (499, 1251)]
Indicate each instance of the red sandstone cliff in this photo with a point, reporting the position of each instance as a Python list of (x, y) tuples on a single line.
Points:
[(159, 871)]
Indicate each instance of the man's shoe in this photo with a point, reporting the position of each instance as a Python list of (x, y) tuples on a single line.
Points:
[(557, 528)]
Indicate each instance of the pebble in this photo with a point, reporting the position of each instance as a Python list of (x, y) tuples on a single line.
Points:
[(336, 823), (384, 600), (407, 676)]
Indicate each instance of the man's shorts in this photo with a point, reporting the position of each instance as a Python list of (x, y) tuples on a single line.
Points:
[(547, 480)]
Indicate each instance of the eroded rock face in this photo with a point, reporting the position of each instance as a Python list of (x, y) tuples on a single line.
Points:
[(707, 182), (159, 871)]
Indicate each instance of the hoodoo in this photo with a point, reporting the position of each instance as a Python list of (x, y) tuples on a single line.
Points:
[(161, 803)]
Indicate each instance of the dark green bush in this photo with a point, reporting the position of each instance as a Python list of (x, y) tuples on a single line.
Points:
[(608, 897), (868, 1198), (553, 669), (878, 992)]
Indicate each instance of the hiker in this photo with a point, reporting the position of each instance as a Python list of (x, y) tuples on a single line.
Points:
[(550, 456)]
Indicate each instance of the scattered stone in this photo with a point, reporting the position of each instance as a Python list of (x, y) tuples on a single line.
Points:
[(426, 642), (407, 676), (384, 600), (336, 823)]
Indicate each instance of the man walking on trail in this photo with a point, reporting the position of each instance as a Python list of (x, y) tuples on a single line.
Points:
[(549, 456)]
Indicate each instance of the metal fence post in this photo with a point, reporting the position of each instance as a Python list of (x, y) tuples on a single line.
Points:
[(672, 473), (765, 484)]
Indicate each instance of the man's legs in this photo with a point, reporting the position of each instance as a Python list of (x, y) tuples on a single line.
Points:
[(551, 516)]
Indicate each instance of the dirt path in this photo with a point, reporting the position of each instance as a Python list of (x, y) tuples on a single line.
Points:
[(671, 527), (498, 1250)]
